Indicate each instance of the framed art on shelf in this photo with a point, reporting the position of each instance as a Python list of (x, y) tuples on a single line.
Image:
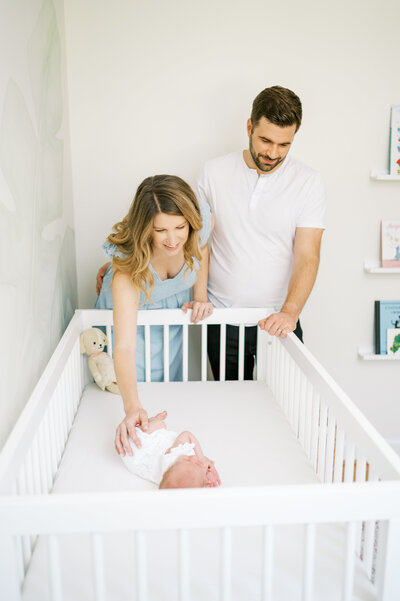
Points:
[(387, 316), (390, 243)]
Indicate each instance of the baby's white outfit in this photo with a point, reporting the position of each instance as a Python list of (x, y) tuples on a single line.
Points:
[(150, 461)]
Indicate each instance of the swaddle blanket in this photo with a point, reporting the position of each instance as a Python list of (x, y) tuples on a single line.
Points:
[(150, 461)]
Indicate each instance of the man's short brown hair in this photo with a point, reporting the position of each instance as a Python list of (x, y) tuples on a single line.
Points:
[(279, 105)]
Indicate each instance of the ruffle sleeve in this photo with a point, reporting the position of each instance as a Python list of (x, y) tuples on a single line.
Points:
[(111, 250)]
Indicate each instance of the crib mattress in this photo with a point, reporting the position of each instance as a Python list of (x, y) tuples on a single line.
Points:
[(240, 426)]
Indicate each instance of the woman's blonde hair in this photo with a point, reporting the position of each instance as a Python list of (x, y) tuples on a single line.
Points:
[(133, 235)]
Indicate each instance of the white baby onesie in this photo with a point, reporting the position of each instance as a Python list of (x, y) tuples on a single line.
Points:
[(150, 462)]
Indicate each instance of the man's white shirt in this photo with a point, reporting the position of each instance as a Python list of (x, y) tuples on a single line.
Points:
[(255, 221)]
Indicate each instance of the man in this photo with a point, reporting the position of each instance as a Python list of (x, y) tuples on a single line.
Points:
[(268, 211)]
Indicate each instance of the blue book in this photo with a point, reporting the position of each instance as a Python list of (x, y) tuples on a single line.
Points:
[(387, 315)]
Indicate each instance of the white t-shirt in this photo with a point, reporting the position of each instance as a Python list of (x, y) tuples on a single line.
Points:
[(255, 220)]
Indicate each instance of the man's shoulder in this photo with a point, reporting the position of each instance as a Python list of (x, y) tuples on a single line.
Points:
[(223, 162), (297, 169)]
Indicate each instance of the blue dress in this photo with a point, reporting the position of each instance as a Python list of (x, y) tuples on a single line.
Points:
[(171, 293)]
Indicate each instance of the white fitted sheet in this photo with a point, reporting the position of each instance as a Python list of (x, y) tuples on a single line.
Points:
[(238, 425)]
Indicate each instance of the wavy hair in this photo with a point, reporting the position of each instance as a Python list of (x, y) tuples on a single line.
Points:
[(133, 235)]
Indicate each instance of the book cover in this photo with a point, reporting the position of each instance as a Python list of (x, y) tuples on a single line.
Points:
[(390, 243), (394, 146), (387, 316), (393, 342)]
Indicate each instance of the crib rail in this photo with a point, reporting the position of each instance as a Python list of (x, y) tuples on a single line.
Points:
[(348, 455)]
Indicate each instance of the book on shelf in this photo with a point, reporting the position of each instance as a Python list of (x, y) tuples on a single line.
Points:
[(390, 243), (387, 317), (394, 146), (393, 342)]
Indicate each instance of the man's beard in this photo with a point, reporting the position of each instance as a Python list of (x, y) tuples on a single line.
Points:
[(263, 166)]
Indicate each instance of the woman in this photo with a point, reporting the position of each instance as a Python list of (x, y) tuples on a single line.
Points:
[(159, 252)]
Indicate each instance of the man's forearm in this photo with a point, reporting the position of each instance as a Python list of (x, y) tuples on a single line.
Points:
[(300, 285)]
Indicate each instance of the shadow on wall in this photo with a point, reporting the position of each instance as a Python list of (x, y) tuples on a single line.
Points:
[(38, 288)]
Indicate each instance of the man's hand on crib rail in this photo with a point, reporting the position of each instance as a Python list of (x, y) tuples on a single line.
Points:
[(127, 428)]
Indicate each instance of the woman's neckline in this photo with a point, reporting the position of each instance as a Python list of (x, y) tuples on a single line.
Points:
[(166, 279)]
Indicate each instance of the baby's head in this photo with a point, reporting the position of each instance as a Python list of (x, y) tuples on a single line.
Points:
[(186, 472)]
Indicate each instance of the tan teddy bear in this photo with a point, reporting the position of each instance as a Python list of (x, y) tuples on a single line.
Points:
[(92, 342)]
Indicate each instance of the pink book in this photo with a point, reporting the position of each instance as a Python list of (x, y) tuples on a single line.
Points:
[(390, 243)]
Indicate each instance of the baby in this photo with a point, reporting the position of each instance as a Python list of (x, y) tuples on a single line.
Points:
[(170, 460)]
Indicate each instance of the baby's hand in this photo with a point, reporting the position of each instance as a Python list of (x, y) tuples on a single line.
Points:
[(212, 476), (156, 422)]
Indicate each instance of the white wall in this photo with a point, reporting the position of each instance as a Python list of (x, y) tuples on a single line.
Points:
[(159, 87), (38, 290)]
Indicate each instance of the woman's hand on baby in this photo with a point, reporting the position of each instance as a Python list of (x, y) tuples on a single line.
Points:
[(127, 428), (200, 310)]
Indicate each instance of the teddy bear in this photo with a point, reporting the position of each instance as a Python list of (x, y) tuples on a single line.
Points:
[(92, 343)]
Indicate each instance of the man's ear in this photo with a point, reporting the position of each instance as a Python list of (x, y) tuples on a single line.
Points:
[(249, 126)]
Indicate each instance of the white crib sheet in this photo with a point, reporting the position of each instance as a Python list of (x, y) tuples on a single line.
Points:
[(238, 425)]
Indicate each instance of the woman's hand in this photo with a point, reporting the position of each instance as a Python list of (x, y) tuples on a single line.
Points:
[(127, 428), (200, 310)]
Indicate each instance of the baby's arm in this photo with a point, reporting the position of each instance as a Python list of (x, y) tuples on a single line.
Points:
[(187, 436)]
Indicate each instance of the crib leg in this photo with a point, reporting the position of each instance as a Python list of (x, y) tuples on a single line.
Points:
[(387, 567), (9, 585)]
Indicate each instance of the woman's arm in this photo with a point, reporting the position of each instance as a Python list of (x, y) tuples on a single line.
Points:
[(125, 307), (200, 306)]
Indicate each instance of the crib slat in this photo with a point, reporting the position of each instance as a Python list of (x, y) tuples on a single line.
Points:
[(185, 352), (166, 353), (308, 566), (226, 564), (314, 430), (368, 546), (339, 454), (241, 352), (330, 448), (203, 352), (222, 351), (147, 352), (54, 568), (141, 569), (109, 338), (349, 462), (184, 566), (268, 564), (361, 469), (308, 420), (323, 416), (348, 580), (302, 412), (98, 567)]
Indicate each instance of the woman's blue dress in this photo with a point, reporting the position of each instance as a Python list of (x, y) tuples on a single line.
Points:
[(171, 293)]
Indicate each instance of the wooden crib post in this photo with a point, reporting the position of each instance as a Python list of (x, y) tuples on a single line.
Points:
[(387, 568), (9, 585)]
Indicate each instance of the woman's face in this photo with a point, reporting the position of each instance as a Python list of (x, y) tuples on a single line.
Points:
[(170, 233)]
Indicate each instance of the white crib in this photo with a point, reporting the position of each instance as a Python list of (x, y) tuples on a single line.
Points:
[(356, 489)]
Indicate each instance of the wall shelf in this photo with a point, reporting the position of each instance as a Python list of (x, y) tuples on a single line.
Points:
[(367, 354), (375, 267), (384, 175)]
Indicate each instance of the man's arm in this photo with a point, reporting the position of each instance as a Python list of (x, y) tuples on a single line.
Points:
[(306, 253)]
